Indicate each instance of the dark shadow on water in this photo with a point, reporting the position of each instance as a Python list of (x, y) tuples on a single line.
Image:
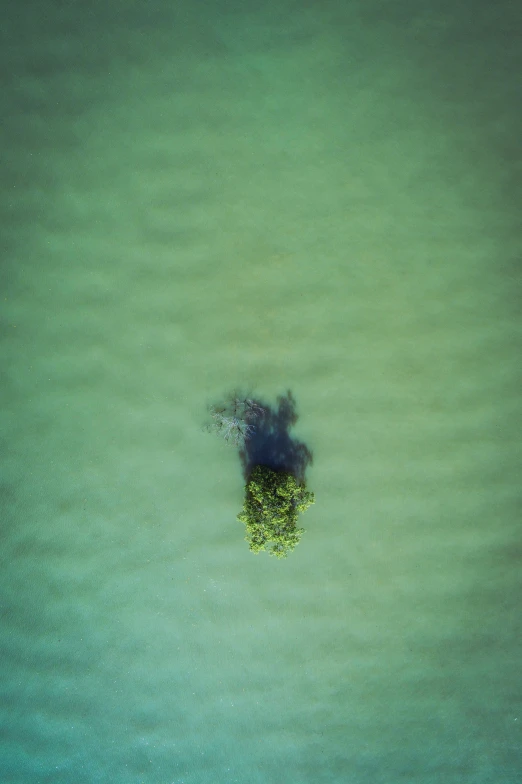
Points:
[(270, 444)]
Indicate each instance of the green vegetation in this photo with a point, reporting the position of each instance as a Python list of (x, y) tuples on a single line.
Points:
[(272, 503)]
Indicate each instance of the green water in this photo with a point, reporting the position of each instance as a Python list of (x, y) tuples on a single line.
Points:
[(316, 198)]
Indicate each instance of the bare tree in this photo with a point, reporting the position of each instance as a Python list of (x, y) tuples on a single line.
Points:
[(235, 420)]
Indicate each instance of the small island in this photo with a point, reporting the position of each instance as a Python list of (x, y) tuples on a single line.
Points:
[(272, 504), (274, 467)]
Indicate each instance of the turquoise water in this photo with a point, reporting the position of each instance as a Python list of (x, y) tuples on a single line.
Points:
[(322, 199)]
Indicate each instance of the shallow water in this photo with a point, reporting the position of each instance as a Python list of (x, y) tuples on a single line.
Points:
[(317, 200)]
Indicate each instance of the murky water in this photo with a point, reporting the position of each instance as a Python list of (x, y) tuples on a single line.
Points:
[(317, 200)]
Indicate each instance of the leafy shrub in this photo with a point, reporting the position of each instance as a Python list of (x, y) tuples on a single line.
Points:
[(273, 501)]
